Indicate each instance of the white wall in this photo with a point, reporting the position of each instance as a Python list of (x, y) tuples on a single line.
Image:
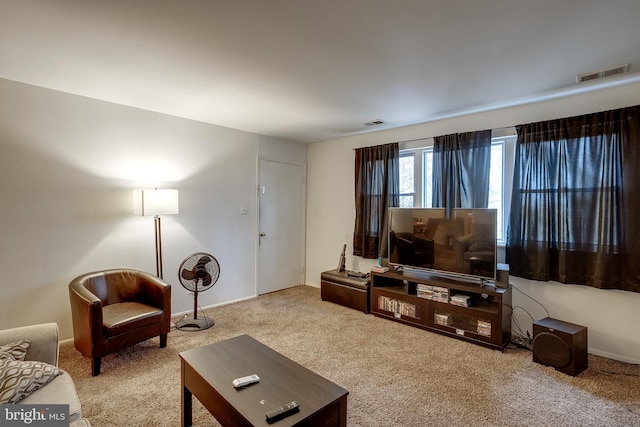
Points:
[(68, 166), (611, 316)]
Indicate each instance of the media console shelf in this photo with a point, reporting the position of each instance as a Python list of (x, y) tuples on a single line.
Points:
[(464, 310)]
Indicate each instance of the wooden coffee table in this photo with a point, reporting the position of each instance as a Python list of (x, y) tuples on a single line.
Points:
[(207, 373)]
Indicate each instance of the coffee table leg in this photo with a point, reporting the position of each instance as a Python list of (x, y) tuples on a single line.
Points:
[(343, 411), (187, 398)]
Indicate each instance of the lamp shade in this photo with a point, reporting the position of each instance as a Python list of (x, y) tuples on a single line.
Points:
[(157, 201)]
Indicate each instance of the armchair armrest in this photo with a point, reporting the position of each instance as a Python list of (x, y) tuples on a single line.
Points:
[(86, 309), (156, 293), (44, 341), (153, 291)]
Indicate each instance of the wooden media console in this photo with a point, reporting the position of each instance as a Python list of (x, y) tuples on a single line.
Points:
[(462, 310)]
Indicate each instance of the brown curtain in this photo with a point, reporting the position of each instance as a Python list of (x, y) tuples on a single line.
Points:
[(461, 163), (575, 209), (377, 187)]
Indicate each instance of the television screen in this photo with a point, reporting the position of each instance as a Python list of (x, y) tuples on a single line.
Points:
[(463, 244)]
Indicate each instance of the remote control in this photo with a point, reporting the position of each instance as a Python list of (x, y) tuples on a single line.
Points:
[(245, 381), (282, 412), (353, 273)]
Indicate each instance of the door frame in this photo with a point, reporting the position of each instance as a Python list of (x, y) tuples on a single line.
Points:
[(303, 237)]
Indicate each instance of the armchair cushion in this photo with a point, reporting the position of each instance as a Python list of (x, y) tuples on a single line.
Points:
[(128, 316), (18, 379)]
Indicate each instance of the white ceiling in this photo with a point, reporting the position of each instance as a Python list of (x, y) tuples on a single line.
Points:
[(312, 70)]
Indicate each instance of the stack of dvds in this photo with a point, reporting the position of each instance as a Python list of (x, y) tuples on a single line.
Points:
[(424, 291), (399, 308), (406, 309), (387, 304), (442, 319), (484, 328), (461, 300), (440, 294), (434, 293)]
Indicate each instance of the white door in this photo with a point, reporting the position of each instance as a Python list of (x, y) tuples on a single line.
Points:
[(280, 225)]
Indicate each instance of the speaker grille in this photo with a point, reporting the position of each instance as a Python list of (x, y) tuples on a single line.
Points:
[(551, 350)]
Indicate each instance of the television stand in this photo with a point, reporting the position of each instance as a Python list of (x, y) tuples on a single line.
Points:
[(477, 314)]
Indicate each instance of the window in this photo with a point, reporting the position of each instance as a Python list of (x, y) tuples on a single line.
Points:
[(427, 161), (407, 180), (416, 168), (575, 204), (496, 180)]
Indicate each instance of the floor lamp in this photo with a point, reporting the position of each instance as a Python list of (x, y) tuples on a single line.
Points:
[(156, 202)]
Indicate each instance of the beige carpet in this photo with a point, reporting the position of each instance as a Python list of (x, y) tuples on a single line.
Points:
[(396, 375)]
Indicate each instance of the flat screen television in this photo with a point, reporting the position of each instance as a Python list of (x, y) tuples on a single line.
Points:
[(462, 244)]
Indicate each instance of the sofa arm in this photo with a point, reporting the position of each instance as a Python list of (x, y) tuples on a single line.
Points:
[(44, 341)]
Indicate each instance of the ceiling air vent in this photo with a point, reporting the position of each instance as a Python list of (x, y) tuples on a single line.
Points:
[(374, 122), (620, 69)]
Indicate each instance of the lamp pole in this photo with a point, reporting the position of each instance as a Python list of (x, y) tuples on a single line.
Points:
[(158, 247), (156, 202)]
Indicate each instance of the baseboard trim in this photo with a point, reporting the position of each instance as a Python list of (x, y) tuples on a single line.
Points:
[(207, 307), (613, 356)]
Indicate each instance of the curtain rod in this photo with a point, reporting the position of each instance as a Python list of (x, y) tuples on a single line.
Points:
[(415, 139), (509, 128), (493, 130), (399, 142)]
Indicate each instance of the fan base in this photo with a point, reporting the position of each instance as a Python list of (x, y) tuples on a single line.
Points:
[(199, 324)]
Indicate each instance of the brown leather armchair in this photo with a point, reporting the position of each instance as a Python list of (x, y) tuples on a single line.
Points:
[(118, 308)]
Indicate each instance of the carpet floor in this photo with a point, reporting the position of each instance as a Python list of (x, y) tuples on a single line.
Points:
[(396, 375)]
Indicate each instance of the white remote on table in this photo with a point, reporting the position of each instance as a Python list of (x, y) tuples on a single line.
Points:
[(245, 381)]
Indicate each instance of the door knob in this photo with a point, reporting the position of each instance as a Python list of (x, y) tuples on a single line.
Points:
[(263, 234)]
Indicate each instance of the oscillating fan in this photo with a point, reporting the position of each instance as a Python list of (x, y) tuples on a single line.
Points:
[(197, 273)]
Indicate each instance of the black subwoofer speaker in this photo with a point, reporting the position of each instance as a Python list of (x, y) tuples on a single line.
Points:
[(561, 345)]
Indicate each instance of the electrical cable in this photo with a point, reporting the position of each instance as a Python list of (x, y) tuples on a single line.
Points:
[(204, 316), (532, 298), (201, 311), (520, 337)]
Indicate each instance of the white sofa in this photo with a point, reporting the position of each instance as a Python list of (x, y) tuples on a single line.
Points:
[(44, 348)]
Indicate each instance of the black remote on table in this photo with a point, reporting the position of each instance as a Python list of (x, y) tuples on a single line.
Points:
[(282, 412)]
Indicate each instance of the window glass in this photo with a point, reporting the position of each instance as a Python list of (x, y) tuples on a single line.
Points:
[(495, 183), (427, 161), (407, 180)]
